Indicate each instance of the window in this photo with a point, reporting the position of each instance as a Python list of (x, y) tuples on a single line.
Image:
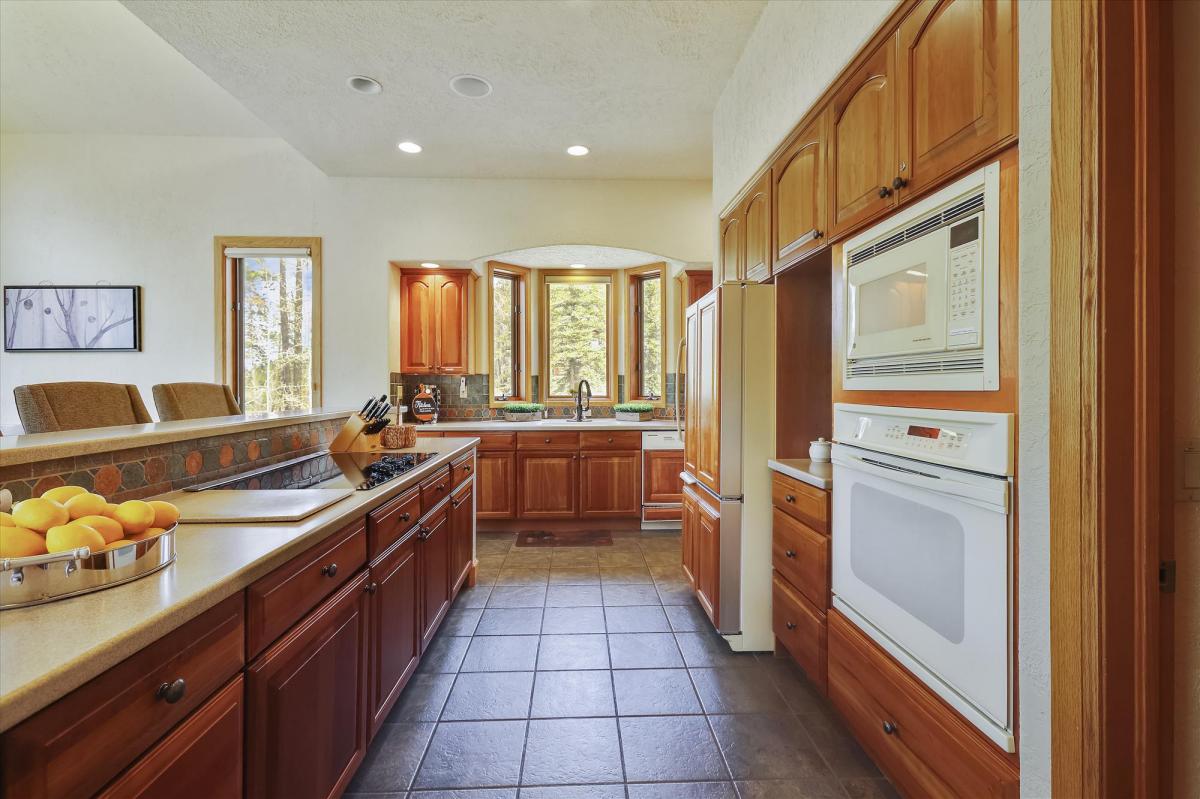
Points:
[(509, 327), (647, 333), (270, 322), (577, 334)]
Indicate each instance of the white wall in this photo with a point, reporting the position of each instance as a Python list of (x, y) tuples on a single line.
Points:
[(143, 210)]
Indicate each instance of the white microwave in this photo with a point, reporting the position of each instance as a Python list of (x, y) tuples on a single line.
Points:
[(922, 294)]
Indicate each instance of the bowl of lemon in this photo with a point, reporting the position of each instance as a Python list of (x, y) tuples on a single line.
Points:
[(70, 541)]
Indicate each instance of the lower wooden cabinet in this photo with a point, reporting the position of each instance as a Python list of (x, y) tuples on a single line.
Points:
[(702, 535), (305, 701), (202, 757), (800, 627), (547, 485), (609, 484), (496, 478), (395, 645), (462, 536), (434, 544), (691, 520), (661, 483)]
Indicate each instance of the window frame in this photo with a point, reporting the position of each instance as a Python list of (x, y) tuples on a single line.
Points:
[(635, 377), (610, 278), (226, 294), (521, 349)]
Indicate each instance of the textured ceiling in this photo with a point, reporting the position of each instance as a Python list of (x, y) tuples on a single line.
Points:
[(89, 66), (634, 81)]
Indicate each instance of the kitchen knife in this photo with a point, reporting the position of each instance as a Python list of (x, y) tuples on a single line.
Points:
[(370, 408), (367, 404)]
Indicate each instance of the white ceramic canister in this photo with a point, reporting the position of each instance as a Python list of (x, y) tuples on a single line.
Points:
[(818, 451)]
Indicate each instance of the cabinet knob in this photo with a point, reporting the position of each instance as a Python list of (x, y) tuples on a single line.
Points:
[(467, 468), (440, 487), (899, 183), (171, 692), (371, 588), (818, 234), (423, 534), (330, 570), (884, 192), (791, 553), (610, 439), (789, 498), (405, 516), (889, 728), (454, 503), (547, 441), (791, 625)]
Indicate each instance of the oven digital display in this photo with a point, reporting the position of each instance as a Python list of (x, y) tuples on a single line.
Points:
[(924, 432)]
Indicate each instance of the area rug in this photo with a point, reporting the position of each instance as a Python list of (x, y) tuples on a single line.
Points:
[(579, 538)]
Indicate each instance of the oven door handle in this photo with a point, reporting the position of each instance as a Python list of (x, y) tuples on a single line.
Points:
[(989, 497)]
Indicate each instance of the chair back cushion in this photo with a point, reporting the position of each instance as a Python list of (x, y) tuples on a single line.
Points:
[(194, 401), (50, 407)]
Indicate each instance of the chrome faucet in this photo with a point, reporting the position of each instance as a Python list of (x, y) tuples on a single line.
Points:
[(579, 406)]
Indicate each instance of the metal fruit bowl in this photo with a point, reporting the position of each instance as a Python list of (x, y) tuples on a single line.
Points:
[(45, 578)]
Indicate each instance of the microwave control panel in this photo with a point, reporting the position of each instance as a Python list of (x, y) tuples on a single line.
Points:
[(966, 285)]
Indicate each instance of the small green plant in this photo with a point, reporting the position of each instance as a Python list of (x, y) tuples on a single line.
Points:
[(524, 407), (633, 407)]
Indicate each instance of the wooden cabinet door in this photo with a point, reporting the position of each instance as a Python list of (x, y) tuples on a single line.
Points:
[(661, 483), (306, 698), (395, 646), (756, 217), (418, 313), (202, 757), (801, 197), (434, 542), (691, 519), (547, 485), (608, 484), (707, 420), (957, 67), (691, 399), (862, 142), (451, 326), (707, 544), (462, 526), (496, 476), (732, 266)]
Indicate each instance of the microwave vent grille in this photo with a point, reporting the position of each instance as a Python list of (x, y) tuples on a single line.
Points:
[(942, 218), (917, 365)]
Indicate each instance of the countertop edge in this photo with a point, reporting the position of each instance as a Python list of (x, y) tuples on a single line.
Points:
[(802, 469)]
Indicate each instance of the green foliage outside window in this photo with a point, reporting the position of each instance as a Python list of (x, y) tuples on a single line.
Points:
[(577, 337), (276, 328)]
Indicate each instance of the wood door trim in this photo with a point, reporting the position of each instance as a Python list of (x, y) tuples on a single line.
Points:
[(525, 286)]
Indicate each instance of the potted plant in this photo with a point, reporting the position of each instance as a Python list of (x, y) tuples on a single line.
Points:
[(522, 411), (634, 411)]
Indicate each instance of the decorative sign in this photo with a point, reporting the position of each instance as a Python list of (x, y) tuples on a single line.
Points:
[(425, 403)]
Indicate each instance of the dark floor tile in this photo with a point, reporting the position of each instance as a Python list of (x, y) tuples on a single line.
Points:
[(654, 692), (575, 792), (517, 596), (460, 621), (527, 558), (444, 655), (510, 576), (474, 597), (737, 691), (683, 790), (572, 751), (422, 699), (675, 592), (687, 618), (510, 621), (567, 694), (467, 793), (490, 561), (636, 619), (625, 575), (868, 788), (489, 695), (707, 649), (568, 596), (629, 557), (674, 572), (570, 652), (841, 750), (670, 749), (574, 556), (393, 759), (559, 621), (615, 595), (574, 575), (501, 653), (766, 746), (788, 789), (467, 754), (644, 651)]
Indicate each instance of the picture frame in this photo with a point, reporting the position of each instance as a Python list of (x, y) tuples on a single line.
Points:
[(72, 318)]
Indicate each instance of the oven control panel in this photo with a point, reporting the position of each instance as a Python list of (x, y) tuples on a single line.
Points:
[(923, 438), (981, 442)]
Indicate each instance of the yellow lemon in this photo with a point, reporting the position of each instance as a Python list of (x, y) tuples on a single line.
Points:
[(63, 493), (120, 542), (6, 520), (134, 515), (71, 536), (151, 532), (39, 515), (85, 504), (165, 514), (109, 528), (17, 542), (110, 510)]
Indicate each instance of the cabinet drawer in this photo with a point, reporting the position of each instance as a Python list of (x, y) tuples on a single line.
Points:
[(429, 434), (462, 469), (613, 439), (809, 505), (283, 597), (662, 513), (801, 628), (75, 746), (923, 745), (496, 441), (802, 556), (434, 489), (551, 439), (387, 523)]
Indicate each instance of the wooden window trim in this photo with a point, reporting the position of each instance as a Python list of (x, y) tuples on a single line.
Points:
[(524, 279), (226, 332), (614, 296), (633, 332)]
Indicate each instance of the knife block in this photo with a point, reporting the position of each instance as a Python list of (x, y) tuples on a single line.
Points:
[(349, 435)]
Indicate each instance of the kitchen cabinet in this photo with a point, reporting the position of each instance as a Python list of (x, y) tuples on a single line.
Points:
[(496, 476), (462, 535), (547, 484), (801, 629), (706, 551), (434, 542), (801, 197), (608, 484), (306, 698), (395, 647), (435, 318), (732, 266), (691, 520), (756, 230), (661, 484)]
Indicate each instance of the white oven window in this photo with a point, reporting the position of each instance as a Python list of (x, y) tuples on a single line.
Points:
[(912, 554), (894, 301)]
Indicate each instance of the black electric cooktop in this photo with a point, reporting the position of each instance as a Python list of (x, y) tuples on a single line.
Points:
[(363, 470)]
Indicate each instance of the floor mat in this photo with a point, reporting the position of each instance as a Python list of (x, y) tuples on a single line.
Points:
[(577, 538)]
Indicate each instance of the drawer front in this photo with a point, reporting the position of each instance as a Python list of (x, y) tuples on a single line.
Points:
[(461, 470), (801, 628), (75, 746), (496, 441), (613, 439), (388, 523), (283, 597), (551, 439), (923, 745), (802, 556), (434, 489), (429, 434), (802, 501), (662, 513)]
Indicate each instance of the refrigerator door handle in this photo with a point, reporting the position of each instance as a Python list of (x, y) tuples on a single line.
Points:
[(688, 479), (678, 377)]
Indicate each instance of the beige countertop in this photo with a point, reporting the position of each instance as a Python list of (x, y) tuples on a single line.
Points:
[(48, 650), (804, 470), (549, 424)]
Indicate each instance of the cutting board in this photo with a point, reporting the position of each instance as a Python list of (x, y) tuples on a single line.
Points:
[(218, 506)]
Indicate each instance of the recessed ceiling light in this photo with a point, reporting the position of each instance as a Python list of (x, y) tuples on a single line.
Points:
[(429, 265), (409, 147), (579, 266), (471, 86), (577, 149), (364, 85)]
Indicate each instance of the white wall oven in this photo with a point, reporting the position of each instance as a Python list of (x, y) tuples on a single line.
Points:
[(922, 548), (922, 293)]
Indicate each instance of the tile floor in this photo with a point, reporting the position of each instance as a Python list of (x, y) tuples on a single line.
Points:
[(590, 673)]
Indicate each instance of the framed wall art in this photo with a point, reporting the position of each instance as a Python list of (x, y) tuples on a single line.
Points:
[(72, 318)]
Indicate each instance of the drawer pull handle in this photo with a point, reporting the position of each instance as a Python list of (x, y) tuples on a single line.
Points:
[(454, 503), (789, 498), (423, 534), (791, 625), (171, 692), (791, 553), (547, 441), (371, 588), (330, 570), (889, 728), (405, 516), (467, 469), (610, 439)]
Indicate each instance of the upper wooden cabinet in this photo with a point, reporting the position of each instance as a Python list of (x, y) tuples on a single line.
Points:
[(800, 199), (756, 230), (957, 62), (435, 315), (732, 265)]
